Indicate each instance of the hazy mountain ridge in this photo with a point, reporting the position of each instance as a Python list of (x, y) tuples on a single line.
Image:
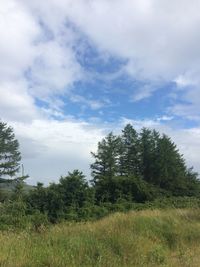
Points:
[(8, 185)]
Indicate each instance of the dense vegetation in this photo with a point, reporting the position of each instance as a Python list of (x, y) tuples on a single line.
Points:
[(169, 238), (130, 171)]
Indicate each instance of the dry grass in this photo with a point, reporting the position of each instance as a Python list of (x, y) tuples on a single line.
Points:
[(146, 238)]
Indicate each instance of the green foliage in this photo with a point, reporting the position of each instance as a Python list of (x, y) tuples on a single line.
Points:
[(63, 200), (54, 204), (39, 221), (129, 152), (18, 191), (13, 215), (140, 167), (74, 189), (148, 155), (133, 189), (170, 166), (37, 198), (132, 171), (106, 158)]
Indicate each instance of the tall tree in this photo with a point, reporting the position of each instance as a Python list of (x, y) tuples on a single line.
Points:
[(129, 156), (9, 151), (148, 153), (106, 166), (106, 158), (132, 159), (171, 168)]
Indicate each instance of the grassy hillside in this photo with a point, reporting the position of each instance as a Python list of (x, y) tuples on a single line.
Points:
[(145, 238)]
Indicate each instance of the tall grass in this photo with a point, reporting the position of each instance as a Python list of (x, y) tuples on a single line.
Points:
[(143, 238)]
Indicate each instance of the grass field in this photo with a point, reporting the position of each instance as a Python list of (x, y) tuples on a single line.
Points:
[(144, 238)]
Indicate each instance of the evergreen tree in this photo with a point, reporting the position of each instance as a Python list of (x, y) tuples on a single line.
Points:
[(37, 198), (171, 170), (74, 189), (106, 166), (129, 156), (107, 158), (18, 190), (9, 151), (123, 161), (55, 205), (148, 154), (192, 185)]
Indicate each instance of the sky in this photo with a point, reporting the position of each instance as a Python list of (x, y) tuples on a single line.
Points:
[(73, 70)]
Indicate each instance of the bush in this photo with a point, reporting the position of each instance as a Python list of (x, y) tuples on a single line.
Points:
[(13, 215), (39, 221)]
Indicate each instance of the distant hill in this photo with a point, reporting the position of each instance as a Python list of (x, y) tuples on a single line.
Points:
[(8, 185)]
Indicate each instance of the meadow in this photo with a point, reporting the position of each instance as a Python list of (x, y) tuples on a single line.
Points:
[(169, 237)]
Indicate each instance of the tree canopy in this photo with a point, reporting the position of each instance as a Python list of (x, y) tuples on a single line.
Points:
[(140, 161)]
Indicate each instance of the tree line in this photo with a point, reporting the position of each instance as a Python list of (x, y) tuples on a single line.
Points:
[(128, 170), (139, 166)]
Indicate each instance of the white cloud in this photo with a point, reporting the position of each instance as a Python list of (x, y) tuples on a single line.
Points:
[(50, 148), (40, 64), (144, 92), (159, 38), (45, 60), (187, 99), (54, 69), (15, 102), (165, 118), (93, 104), (18, 30)]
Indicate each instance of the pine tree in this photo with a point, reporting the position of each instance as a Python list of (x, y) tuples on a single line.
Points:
[(9, 151), (148, 154), (129, 156), (171, 168), (124, 163), (37, 198), (18, 190), (106, 158), (75, 189), (106, 166)]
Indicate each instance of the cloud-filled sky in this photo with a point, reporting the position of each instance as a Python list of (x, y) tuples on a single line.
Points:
[(72, 71)]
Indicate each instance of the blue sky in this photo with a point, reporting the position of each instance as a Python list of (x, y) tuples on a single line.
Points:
[(71, 71)]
